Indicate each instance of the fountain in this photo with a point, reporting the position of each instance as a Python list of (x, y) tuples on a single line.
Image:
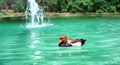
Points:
[(34, 15)]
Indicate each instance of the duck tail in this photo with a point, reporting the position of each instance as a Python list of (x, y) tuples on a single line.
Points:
[(83, 41)]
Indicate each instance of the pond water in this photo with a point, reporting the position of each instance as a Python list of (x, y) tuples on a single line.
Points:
[(27, 46)]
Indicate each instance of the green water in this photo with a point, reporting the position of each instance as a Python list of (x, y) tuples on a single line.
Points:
[(22, 46)]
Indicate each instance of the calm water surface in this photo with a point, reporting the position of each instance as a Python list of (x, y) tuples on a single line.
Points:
[(23, 46)]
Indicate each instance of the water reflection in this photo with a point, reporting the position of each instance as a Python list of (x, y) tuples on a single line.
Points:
[(34, 45), (68, 51)]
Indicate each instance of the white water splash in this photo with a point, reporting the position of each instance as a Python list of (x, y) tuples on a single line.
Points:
[(34, 15)]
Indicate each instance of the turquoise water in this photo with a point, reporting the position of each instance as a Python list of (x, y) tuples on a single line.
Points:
[(23, 46)]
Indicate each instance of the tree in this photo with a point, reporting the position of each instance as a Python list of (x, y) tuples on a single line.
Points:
[(3, 5), (19, 5), (81, 6)]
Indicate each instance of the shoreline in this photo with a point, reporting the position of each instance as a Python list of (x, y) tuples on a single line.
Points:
[(11, 15), (49, 14), (53, 14)]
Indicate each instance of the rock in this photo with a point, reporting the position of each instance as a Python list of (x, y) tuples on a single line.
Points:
[(10, 11)]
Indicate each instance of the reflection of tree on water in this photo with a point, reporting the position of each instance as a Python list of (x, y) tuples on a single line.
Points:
[(68, 51)]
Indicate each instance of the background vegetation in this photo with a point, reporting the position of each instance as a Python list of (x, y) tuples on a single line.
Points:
[(73, 6)]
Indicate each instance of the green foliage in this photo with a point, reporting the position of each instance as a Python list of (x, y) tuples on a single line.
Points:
[(2, 1), (73, 6), (2, 4), (2, 15), (19, 5)]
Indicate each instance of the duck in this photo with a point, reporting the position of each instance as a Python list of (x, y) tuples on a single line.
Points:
[(64, 42)]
